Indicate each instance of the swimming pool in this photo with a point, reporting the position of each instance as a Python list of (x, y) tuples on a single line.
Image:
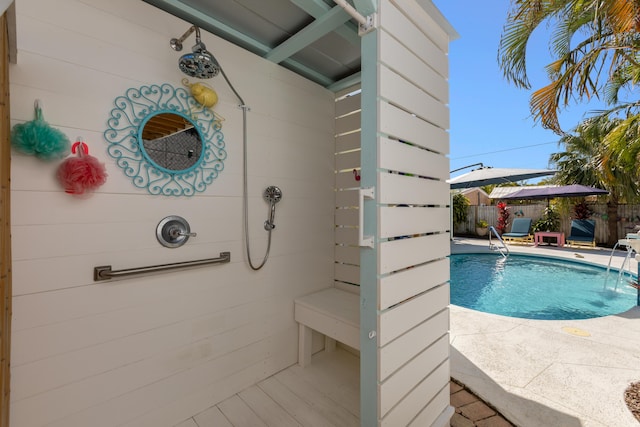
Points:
[(533, 287)]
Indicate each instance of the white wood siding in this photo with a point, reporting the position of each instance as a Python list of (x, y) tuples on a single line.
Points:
[(347, 167), (153, 351), (413, 219)]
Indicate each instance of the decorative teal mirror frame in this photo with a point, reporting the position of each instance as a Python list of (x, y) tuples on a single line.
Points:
[(124, 135)]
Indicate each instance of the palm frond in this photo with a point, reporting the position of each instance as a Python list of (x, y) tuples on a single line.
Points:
[(524, 17), (595, 44), (623, 15)]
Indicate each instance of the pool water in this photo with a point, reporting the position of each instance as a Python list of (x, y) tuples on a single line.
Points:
[(537, 288)]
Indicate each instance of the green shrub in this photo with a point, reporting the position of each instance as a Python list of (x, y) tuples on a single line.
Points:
[(550, 221)]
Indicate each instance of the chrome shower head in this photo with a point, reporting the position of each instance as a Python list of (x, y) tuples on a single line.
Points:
[(200, 63)]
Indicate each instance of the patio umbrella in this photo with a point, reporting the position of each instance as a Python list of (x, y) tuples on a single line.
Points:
[(573, 190), (488, 175)]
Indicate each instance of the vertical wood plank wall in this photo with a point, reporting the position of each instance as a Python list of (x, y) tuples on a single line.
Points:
[(5, 226), (155, 350), (413, 218)]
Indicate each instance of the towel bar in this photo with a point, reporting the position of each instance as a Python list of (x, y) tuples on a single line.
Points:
[(105, 272)]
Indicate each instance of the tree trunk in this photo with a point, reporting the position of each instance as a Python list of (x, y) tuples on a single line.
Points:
[(612, 221)]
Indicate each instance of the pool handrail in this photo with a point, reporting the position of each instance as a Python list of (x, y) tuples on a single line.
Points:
[(504, 250), (626, 262)]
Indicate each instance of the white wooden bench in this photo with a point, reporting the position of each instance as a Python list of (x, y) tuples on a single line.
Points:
[(332, 312)]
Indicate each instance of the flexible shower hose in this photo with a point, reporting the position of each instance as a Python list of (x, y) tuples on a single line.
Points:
[(245, 191)]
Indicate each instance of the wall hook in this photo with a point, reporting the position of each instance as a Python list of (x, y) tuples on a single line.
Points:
[(80, 147)]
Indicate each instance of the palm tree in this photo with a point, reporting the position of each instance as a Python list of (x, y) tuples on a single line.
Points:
[(624, 144), (595, 45), (589, 159)]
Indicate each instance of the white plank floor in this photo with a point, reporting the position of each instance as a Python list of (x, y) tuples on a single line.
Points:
[(326, 393)]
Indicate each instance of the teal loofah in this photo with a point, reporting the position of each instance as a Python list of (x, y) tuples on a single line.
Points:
[(39, 139)]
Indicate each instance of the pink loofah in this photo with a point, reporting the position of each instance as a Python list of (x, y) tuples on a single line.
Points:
[(82, 173)]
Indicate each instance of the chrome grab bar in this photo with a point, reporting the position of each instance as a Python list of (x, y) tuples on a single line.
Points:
[(492, 230), (105, 272)]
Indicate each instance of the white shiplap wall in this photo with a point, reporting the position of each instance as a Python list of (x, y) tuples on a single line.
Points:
[(412, 217), (154, 350), (347, 252)]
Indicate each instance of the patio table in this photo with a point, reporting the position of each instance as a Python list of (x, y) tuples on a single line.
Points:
[(538, 235)]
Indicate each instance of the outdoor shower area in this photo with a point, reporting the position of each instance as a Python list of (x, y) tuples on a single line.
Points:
[(363, 207)]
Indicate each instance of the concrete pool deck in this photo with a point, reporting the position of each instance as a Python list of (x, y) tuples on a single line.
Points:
[(540, 373)]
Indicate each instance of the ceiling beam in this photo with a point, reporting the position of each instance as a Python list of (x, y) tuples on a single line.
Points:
[(203, 20), (312, 32), (345, 83), (317, 8)]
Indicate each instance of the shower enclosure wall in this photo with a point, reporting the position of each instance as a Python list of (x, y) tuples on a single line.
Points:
[(155, 350), (158, 349)]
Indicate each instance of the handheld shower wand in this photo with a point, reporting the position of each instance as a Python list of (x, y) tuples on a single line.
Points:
[(273, 195)]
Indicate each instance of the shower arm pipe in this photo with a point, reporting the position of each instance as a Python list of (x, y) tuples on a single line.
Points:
[(105, 272), (189, 32)]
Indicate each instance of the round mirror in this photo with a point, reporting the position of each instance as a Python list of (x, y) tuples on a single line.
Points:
[(171, 141), (165, 141)]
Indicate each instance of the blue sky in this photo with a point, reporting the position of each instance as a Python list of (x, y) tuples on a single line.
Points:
[(490, 118)]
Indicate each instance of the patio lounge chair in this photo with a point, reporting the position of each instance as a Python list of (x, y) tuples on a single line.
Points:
[(519, 231), (582, 233)]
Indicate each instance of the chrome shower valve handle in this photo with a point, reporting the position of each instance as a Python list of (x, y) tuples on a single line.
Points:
[(173, 231), (177, 232)]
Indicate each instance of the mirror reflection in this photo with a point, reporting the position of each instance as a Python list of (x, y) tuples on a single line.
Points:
[(171, 141)]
